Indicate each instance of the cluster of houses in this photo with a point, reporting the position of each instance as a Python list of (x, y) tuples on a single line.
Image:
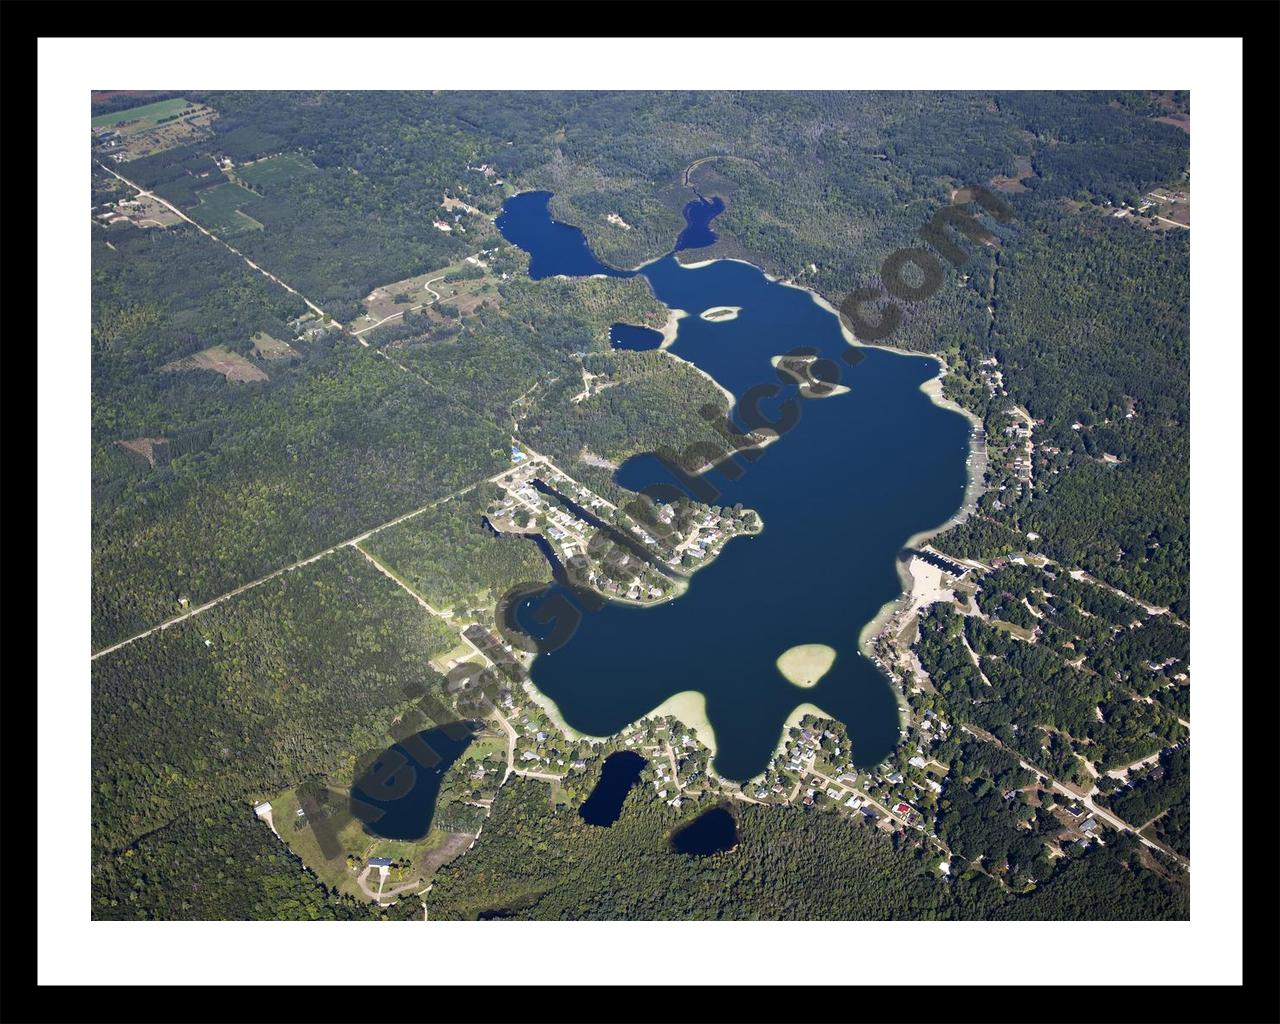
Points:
[(706, 534), (1081, 829), (489, 171), (992, 377), (1020, 431), (572, 537), (538, 741), (665, 783), (308, 327)]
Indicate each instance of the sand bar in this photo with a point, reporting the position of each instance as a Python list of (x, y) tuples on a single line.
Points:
[(805, 664), (670, 328)]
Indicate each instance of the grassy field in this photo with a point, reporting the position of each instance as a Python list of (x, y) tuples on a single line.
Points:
[(219, 209), (233, 366), (465, 295), (1018, 631), (276, 170), (267, 347), (141, 118), (424, 855), (460, 653)]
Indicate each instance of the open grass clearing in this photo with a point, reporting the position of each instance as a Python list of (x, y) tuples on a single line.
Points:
[(1018, 631), (146, 212), (274, 171), (267, 347), (422, 289), (219, 209)]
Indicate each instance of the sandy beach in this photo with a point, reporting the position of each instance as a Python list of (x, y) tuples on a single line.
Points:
[(926, 586), (688, 706)]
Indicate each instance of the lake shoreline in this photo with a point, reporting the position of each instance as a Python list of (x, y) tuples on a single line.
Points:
[(974, 485)]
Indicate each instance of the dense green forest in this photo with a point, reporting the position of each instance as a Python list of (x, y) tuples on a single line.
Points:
[(652, 401), (824, 178), (449, 558), (220, 863), (160, 295), (1092, 322), (536, 336), (273, 470), (1162, 792), (790, 863), (296, 678)]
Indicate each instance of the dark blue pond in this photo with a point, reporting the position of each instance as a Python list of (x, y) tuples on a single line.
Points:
[(396, 797), (633, 338), (712, 832), (839, 493), (620, 773), (698, 215), (553, 248)]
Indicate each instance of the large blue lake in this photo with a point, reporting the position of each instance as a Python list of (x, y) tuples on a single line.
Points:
[(839, 494)]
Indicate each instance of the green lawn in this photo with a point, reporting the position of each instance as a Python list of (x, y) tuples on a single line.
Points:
[(496, 744)]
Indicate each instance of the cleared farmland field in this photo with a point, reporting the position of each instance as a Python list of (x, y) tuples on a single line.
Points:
[(144, 117)]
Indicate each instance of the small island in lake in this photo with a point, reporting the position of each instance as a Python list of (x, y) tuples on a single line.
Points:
[(721, 313), (800, 369)]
